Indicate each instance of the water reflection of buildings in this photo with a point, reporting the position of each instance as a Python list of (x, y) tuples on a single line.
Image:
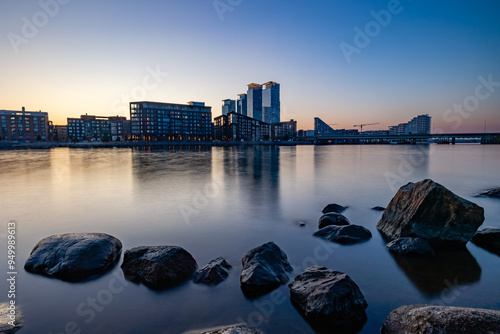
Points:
[(253, 173), (447, 270)]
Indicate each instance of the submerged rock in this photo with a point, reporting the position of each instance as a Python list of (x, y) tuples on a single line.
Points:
[(334, 208), (493, 192), (234, 329), (213, 273), (10, 318), (264, 269), (430, 211), (349, 234), (489, 239), (158, 267), (416, 319), (411, 247), (332, 218), (74, 256), (378, 208), (328, 299)]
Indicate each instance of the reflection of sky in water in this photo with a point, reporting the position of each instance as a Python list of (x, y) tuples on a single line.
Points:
[(224, 202)]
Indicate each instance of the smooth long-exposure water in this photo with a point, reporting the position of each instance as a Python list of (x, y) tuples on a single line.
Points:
[(223, 202)]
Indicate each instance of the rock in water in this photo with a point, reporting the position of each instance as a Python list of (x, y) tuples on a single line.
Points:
[(334, 208), (264, 269), (413, 319), (158, 267), (74, 256), (378, 208), (430, 211), (489, 239), (329, 299), (411, 247), (493, 192), (349, 234), (234, 329), (213, 273), (332, 218), (10, 318)]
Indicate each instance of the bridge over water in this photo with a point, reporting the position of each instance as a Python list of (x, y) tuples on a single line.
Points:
[(486, 138)]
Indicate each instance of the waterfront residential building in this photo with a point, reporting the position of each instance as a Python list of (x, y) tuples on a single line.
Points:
[(228, 106), (284, 130), (271, 107), (158, 121), (322, 129), (238, 127), (60, 133), (242, 104), (24, 125), (418, 125), (254, 101), (98, 128)]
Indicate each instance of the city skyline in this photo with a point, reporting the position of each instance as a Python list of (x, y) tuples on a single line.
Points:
[(370, 62)]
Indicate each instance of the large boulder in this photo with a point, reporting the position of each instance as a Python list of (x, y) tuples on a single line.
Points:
[(411, 247), (74, 256), (430, 211), (334, 208), (413, 319), (328, 299), (332, 218), (493, 192), (489, 239), (349, 234), (264, 269), (234, 329), (213, 273), (158, 267)]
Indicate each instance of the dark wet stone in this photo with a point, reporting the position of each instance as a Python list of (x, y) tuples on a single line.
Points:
[(332, 218), (10, 318), (158, 267), (416, 319), (493, 192), (334, 208), (349, 234), (328, 299), (74, 256), (234, 329), (378, 208), (264, 269), (489, 239), (429, 211), (213, 273), (411, 247)]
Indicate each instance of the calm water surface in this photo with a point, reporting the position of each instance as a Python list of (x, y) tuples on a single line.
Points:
[(224, 202)]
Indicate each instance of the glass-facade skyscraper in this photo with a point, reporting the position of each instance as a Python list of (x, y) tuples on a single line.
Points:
[(271, 102), (242, 104), (228, 106), (254, 101)]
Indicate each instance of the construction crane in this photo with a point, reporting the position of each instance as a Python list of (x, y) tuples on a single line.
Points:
[(361, 125)]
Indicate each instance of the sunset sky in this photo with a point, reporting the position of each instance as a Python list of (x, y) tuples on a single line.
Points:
[(74, 57)]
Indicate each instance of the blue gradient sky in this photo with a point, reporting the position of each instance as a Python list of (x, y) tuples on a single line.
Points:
[(92, 54)]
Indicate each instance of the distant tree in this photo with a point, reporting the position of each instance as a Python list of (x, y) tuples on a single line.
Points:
[(286, 137), (38, 137), (266, 137), (105, 139), (118, 138)]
